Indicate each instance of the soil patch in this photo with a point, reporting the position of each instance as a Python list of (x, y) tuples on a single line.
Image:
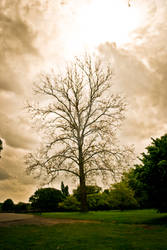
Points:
[(20, 219)]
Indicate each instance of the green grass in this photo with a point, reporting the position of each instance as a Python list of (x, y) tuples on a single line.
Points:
[(141, 229), (148, 216)]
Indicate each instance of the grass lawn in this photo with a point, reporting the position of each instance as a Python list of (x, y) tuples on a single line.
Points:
[(141, 229)]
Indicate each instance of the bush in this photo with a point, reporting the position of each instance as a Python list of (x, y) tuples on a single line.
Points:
[(92, 200), (99, 201), (70, 204), (122, 197)]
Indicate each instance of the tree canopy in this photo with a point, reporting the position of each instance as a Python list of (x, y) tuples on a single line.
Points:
[(7, 205), (46, 199), (152, 172)]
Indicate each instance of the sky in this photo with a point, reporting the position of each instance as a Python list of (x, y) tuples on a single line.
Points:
[(36, 35)]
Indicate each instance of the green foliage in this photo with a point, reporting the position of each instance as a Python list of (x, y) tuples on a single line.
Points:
[(152, 172), (7, 206), (70, 204), (90, 189), (21, 207), (93, 200), (104, 203), (122, 197), (100, 201), (64, 190), (130, 179), (46, 199)]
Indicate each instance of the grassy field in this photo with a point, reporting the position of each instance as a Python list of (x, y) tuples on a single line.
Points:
[(141, 229)]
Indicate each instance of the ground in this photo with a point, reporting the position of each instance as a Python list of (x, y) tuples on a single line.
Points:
[(7, 219)]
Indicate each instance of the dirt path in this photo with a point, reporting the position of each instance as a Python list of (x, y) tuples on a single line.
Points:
[(8, 219)]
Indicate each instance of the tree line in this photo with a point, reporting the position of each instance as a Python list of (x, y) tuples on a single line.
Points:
[(52, 199), (144, 186)]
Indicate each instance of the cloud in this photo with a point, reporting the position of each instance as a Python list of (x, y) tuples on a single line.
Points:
[(14, 183), (16, 39), (140, 73), (35, 34), (14, 190), (16, 132), (4, 175)]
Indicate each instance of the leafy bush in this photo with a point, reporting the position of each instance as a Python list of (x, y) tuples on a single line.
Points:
[(70, 204), (122, 197)]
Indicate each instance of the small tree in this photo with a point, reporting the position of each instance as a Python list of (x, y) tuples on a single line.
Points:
[(64, 190), (46, 199), (80, 117), (122, 197), (8, 206)]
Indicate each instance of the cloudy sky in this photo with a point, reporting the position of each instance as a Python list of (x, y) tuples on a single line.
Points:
[(37, 34)]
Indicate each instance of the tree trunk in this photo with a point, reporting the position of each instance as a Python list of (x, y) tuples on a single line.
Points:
[(84, 207)]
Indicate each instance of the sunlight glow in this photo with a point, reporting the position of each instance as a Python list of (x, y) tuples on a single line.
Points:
[(106, 21)]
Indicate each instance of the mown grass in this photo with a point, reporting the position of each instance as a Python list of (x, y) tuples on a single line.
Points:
[(118, 230), (148, 216)]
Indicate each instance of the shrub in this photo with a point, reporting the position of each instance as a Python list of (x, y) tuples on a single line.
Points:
[(122, 197), (70, 204)]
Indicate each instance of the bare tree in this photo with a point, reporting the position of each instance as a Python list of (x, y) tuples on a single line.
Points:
[(80, 118)]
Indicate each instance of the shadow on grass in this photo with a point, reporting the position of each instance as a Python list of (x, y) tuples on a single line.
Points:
[(158, 221)]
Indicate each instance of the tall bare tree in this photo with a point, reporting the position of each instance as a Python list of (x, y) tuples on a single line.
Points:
[(80, 117)]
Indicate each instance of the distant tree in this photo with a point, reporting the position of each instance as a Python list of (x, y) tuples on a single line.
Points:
[(152, 172), (21, 207), (8, 206), (80, 119), (46, 199), (122, 197), (64, 190)]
